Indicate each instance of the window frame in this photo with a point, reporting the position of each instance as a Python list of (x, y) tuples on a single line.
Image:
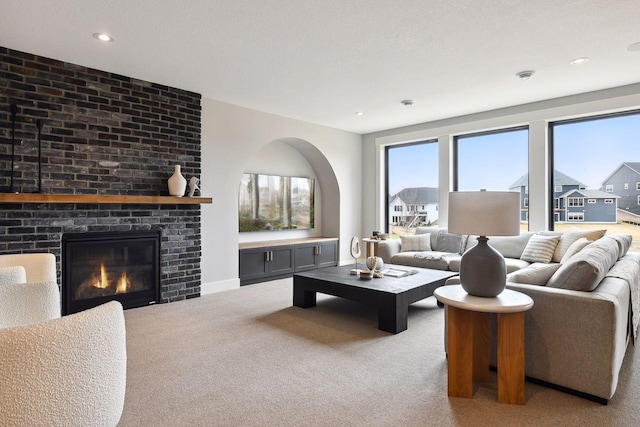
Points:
[(387, 200), (575, 202), (550, 136)]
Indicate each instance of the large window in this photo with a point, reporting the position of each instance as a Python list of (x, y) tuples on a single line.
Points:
[(597, 158), (495, 161), (412, 186)]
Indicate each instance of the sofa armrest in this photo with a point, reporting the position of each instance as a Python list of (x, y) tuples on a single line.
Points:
[(577, 339), (388, 248)]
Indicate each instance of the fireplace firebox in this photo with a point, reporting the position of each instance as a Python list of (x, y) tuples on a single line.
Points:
[(104, 266)]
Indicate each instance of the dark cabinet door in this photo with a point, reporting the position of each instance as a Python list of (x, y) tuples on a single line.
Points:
[(328, 254), (253, 264), (280, 260), (305, 256)]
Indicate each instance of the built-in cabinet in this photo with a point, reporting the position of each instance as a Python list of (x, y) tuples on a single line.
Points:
[(262, 261)]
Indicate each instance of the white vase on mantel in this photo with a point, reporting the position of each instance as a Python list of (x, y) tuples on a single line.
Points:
[(177, 183)]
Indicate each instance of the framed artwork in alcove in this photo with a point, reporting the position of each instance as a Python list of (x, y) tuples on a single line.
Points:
[(273, 202)]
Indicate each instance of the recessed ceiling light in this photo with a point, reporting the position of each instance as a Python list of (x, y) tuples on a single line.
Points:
[(407, 102), (634, 47), (525, 75), (359, 113), (579, 61), (103, 37)]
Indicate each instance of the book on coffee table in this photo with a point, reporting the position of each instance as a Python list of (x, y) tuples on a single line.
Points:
[(397, 272)]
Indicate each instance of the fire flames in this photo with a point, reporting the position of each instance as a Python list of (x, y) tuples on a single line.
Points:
[(122, 285), (103, 283)]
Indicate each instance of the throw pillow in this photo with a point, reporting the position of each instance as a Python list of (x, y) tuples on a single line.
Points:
[(452, 243), (575, 247), (585, 270), (421, 242), (570, 236), (540, 248), (535, 274)]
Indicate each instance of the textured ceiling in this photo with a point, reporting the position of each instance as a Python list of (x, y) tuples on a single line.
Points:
[(321, 61)]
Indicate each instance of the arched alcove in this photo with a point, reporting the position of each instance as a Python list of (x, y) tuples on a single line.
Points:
[(271, 159)]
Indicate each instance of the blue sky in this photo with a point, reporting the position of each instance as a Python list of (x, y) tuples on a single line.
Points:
[(586, 151)]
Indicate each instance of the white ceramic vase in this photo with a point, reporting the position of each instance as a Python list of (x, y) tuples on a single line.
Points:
[(177, 183)]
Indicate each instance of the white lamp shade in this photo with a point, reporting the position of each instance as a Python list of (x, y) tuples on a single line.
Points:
[(484, 213)]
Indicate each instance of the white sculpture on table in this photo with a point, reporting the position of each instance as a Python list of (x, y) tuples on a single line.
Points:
[(355, 253)]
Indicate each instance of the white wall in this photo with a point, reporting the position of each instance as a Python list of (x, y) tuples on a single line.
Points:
[(232, 137), (536, 115)]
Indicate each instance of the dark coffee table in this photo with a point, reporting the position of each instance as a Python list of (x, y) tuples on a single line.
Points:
[(392, 295)]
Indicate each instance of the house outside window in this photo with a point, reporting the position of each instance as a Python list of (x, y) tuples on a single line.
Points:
[(626, 186), (557, 188), (592, 201), (608, 201), (609, 188), (525, 202)]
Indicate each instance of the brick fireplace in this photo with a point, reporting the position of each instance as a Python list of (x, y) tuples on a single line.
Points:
[(101, 134)]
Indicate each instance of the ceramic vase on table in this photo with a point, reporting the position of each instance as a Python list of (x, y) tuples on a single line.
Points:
[(177, 183)]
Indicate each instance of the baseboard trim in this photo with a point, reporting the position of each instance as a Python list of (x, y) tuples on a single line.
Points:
[(224, 285)]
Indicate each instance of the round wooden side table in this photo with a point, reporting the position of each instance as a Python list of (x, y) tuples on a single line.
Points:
[(468, 341)]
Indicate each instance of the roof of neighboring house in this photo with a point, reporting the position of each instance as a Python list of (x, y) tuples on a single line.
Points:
[(634, 166), (558, 179), (417, 195), (590, 194)]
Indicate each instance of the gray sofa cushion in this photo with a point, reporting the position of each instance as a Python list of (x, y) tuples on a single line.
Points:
[(624, 243), (508, 246), (585, 270), (443, 241), (514, 264), (535, 274)]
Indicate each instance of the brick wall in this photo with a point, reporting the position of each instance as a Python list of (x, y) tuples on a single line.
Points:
[(102, 133)]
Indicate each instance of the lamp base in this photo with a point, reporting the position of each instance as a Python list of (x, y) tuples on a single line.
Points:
[(483, 272)]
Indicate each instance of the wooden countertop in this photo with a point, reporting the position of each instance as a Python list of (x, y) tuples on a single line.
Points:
[(266, 243)]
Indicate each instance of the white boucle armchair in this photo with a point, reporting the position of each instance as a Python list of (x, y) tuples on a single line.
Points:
[(54, 370), (29, 290)]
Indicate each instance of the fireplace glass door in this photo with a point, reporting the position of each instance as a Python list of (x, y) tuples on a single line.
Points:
[(100, 267)]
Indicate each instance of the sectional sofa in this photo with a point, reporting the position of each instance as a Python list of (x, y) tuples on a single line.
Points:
[(586, 300)]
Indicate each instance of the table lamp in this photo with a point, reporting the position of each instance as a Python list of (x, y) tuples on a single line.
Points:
[(484, 213)]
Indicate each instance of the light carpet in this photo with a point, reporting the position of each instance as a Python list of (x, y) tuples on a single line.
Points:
[(247, 357)]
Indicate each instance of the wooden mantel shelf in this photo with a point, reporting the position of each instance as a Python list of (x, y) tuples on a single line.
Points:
[(101, 199)]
